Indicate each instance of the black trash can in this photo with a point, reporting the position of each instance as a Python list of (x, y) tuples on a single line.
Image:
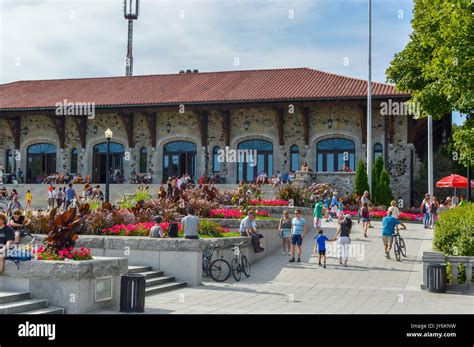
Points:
[(436, 278), (132, 293)]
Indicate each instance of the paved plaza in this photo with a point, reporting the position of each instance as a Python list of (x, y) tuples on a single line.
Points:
[(370, 284)]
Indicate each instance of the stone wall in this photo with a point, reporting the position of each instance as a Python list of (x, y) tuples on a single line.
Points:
[(184, 126)]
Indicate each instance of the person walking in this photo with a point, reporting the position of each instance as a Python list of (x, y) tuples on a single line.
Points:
[(334, 210), (190, 225), (71, 195), (29, 198), (298, 231), (51, 197), (317, 217), (425, 210), (284, 228), (365, 217), (388, 229), (434, 206), (320, 244), (343, 232), (60, 198)]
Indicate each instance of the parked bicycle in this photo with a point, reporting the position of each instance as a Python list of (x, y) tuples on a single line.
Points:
[(218, 269), (22, 251), (399, 246), (240, 262)]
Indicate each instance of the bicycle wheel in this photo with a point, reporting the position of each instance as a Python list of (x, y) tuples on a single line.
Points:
[(396, 250), (403, 248), (219, 270), (236, 269), (245, 266)]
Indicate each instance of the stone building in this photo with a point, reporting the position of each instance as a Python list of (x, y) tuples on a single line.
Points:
[(176, 123)]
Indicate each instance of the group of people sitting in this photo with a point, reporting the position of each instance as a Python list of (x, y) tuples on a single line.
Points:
[(276, 179), (59, 178)]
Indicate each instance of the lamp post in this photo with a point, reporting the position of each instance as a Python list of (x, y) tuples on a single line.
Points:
[(369, 105), (108, 136)]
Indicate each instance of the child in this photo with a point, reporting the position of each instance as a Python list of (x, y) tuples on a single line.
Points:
[(29, 197), (340, 212), (320, 242)]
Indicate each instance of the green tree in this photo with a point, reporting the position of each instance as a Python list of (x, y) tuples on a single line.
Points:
[(385, 195), (376, 171), (361, 182), (436, 66), (462, 143)]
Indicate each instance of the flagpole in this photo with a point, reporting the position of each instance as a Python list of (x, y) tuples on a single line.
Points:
[(369, 105)]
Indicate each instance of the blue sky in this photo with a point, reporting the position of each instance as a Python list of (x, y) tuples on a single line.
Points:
[(44, 39)]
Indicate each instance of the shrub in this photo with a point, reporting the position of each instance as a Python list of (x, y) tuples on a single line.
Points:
[(385, 195), (361, 183), (209, 228), (454, 231)]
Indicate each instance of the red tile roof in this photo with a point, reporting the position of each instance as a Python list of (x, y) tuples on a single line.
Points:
[(202, 87)]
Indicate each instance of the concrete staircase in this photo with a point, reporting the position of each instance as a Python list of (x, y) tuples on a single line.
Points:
[(156, 282), (21, 303)]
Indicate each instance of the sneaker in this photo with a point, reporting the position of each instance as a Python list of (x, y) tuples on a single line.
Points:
[(292, 260), (387, 255), (370, 226), (340, 261), (289, 253), (299, 260), (324, 265), (319, 264)]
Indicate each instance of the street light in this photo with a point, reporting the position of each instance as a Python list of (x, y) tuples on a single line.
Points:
[(108, 136)]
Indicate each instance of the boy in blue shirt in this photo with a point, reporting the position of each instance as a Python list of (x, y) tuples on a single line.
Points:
[(321, 243)]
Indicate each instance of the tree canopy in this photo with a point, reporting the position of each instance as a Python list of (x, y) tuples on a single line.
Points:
[(437, 64)]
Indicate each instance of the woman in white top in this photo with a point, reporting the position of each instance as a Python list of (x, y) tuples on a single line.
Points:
[(395, 212)]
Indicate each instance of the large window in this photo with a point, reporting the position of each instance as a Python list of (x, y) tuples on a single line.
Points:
[(249, 164), (378, 151), (74, 154), (40, 162), (333, 154), (143, 160), (295, 158), (216, 164), (100, 168), (179, 157), (9, 162)]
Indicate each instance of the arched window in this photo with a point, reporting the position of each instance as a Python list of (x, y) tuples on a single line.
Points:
[(249, 166), (378, 151), (179, 157), (216, 164), (74, 154), (143, 160), (99, 164), (40, 162), (9, 161), (295, 158), (333, 154)]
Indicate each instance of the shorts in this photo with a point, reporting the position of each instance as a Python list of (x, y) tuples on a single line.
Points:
[(365, 220), (296, 239), (317, 222), (387, 240), (323, 252)]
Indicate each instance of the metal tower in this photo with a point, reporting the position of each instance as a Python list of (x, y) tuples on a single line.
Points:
[(130, 12)]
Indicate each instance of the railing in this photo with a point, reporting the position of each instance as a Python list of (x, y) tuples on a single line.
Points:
[(453, 261)]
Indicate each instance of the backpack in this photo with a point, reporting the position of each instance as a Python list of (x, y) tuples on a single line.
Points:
[(173, 230)]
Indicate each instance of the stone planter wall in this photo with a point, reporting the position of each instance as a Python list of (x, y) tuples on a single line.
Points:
[(67, 284)]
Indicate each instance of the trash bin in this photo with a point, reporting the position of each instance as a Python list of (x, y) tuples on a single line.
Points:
[(436, 278), (132, 293)]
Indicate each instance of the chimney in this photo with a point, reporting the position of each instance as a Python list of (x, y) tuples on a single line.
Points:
[(188, 71), (195, 71)]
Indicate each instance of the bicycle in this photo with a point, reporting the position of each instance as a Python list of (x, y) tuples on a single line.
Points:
[(218, 269), (240, 262), (22, 251), (399, 246)]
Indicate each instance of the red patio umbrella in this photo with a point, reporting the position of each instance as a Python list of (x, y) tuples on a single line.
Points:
[(453, 181)]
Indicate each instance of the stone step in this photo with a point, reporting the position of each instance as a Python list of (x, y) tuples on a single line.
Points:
[(6, 297), (151, 274), (132, 269), (158, 280), (46, 310), (22, 306), (164, 288)]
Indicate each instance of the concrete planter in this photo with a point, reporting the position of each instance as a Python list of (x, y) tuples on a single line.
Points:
[(71, 285)]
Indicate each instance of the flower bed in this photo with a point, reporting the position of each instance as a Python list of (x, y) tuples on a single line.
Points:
[(264, 202), (377, 214), (45, 253), (236, 214)]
